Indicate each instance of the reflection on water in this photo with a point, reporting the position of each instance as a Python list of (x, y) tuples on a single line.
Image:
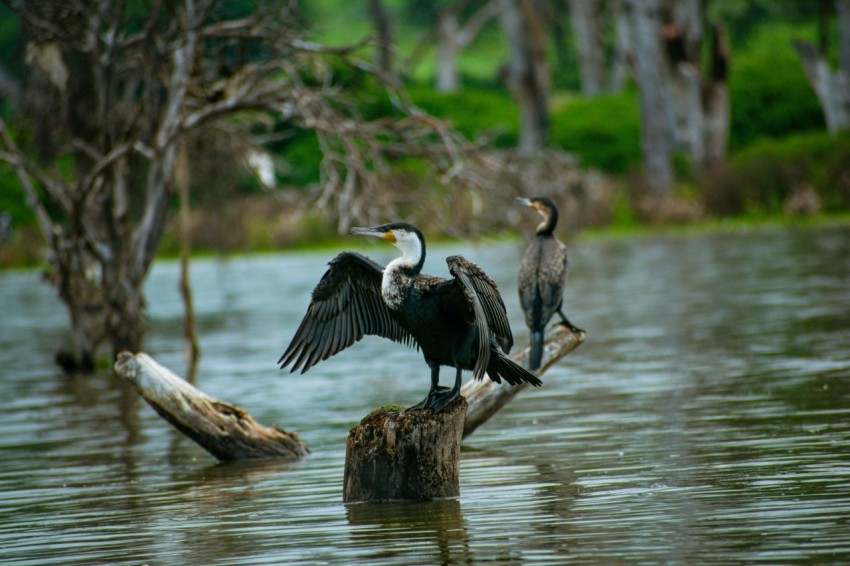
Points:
[(705, 419)]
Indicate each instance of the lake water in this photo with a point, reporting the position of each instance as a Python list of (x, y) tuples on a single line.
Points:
[(705, 419)]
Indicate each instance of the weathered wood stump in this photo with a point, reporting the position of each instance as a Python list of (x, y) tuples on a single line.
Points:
[(405, 455), (226, 431)]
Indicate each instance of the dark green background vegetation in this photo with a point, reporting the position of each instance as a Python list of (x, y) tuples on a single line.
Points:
[(777, 139)]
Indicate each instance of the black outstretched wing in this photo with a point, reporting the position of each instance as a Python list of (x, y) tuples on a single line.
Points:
[(345, 306), (491, 301), (487, 304)]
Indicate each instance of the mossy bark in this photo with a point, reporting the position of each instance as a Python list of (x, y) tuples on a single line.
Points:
[(405, 455)]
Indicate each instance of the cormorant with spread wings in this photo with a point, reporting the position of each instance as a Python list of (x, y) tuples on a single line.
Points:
[(459, 322)]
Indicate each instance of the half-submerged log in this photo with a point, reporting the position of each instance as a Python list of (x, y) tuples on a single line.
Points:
[(404, 455), (229, 433), (226, 431), (485, 397)]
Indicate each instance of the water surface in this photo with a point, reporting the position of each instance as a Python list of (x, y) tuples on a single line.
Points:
[(706, 418)]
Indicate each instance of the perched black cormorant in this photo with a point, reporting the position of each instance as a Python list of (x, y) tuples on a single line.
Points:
[(542, 277), (459, 322)]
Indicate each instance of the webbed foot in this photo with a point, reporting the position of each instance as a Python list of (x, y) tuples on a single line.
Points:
[(574, 329), (437, 400)]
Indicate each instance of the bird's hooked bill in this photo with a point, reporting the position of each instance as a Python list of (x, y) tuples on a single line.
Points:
[(525, 201), (375, 233)]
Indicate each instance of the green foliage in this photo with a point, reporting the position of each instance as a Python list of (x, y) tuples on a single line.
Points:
[(746, 17), (12, 198), (770, 170), (768, 90), (10, 40), (473, 111), (603, 132), (301, 157)]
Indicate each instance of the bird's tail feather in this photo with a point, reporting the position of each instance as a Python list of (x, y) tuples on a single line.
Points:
[(535, 354), (502, 367)]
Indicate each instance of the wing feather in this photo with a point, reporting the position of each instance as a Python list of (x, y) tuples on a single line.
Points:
[(346, 305), (483, 358), (487, 293)]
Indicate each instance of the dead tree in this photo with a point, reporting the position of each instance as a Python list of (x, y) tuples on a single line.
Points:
[(527, 70), (645, 21), (111, 92), (832, 87), (383, 34), (453, 37), (699, 99), (623, 58), (585, 18)]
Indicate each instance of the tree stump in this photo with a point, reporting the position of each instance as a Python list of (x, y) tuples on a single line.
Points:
[(226, 431), (405, 455)]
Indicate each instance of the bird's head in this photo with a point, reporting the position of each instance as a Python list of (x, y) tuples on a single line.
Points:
[(547, 208), (405, 237)]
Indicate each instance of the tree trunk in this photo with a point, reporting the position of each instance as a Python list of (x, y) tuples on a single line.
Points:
[(404, 455), (716, 101), (452, 38), (447, 50), (645, 17), (585, 20), (225, 431), (831, 87), (73, 277), (527, 72), (842, 9), (623, 63), (682, 35), (383, 34), (190, 333)]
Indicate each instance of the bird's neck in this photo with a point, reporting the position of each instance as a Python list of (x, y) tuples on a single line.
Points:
[(412, 258), (399, 272), (547, 227)]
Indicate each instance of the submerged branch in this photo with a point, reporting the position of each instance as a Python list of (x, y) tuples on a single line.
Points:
[(486, 397), (229, 433)]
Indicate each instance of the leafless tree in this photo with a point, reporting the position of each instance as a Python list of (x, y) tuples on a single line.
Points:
[(453, 36), (645, 22), (699, 105), (112, 91), (527, 71), (586, 21), (382, 25), (832, 87)]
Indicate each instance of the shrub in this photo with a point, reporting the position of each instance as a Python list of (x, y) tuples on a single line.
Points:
[(473, 111), (769, 93), (762, 176), (603, 132), (12, 198)]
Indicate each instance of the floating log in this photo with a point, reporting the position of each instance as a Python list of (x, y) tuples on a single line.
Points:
[(226, 431), (486, 397), (404, 455)]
